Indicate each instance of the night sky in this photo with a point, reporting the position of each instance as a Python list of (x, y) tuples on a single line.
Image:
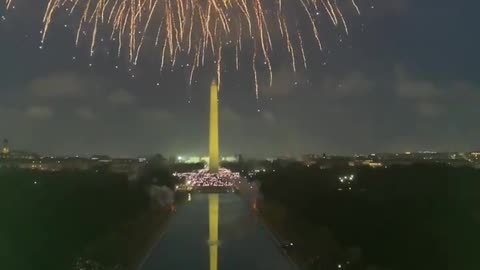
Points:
[(405, 79)]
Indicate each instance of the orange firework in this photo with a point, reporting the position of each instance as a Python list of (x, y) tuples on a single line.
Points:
[(199, 29)]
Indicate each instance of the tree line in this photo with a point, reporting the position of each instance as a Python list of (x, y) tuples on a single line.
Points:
[(400, 217)]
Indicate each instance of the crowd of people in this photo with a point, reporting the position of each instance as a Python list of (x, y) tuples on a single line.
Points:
[(204, 178)]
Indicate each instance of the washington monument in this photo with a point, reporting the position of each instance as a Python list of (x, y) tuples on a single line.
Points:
[(213, 163)]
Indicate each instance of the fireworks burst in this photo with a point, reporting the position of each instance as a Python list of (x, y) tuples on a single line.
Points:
[(200, 30)]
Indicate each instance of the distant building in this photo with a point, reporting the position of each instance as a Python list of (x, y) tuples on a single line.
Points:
[(101, 158), (119, 165), (188, 159), (475, 156), (373, 164), (5, 148), (124, 165), (310, 159), (230, 159), (429, 157), (205, 159), (18, 154), (331, 161)]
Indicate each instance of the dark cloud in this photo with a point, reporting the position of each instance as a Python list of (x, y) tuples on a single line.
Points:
[(429, 109), (268, 116), (228, 115), (39, 112), (85, 113), (284, 82), (414, 89), (152, 116), (352, 85), (397, 7), (121, 97), (58, 85)]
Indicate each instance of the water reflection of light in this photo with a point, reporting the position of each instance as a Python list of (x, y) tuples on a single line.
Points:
[(213, 230), (189, 196)]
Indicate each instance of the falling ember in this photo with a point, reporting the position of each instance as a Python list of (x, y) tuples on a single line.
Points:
[(200, 31), (8, 3)]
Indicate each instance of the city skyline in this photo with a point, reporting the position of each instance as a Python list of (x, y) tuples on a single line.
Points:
[(8, 151)]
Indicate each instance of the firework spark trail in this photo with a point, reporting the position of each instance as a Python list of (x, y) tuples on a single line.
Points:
[(237, 64), (254, 67), (145, 31), (200, 31), (8, 3), (219, 67), (302, 50), (356, 7)]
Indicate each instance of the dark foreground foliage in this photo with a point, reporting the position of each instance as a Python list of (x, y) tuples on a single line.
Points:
[(401, 217), (49, 218)]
